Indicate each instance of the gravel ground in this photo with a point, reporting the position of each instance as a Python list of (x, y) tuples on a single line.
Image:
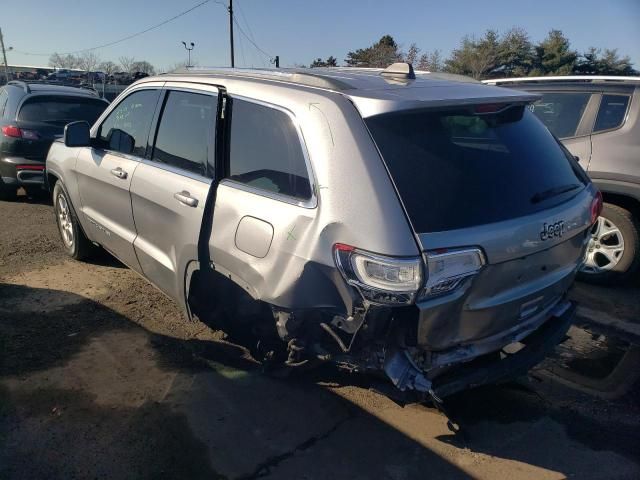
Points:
[(101, 377)]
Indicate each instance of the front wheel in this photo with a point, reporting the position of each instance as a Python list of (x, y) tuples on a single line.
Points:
[(613, 253), (73, 239)]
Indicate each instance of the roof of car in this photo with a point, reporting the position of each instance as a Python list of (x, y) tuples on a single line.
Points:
[(373, 90), (43, 87), (610, 79)]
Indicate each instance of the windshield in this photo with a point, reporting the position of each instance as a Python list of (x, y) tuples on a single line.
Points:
[(61, 110), (456, 169)]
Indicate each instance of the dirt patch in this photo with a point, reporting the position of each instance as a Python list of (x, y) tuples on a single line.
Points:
[(102, 377)]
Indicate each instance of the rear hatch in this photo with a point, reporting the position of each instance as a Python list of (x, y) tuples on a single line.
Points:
[(42, 118), (488, 177)]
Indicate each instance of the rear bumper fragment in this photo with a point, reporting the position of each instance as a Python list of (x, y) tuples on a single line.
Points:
[(482, 371)]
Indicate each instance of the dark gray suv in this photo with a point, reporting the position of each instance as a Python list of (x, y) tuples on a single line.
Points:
[(597, 120)]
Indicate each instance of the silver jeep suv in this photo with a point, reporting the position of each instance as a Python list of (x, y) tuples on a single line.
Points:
[(421, 225), (598, 119)]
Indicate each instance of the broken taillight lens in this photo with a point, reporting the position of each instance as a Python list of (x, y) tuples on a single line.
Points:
[(596, 207), (446, 270)]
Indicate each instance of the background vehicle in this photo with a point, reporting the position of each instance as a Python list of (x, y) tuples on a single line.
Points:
[(32, 115), (597, 119), (388, 222)]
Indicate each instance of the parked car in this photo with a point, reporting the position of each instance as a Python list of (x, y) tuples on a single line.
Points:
[(598, 120), (32, 115), (417, 225)]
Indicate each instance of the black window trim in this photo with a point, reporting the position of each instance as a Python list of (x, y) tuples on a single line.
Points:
[(95, 132), (155, 125), (309, 203), (624, 118)]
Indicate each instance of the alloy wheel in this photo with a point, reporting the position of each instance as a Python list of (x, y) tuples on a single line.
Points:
[(605, 249)]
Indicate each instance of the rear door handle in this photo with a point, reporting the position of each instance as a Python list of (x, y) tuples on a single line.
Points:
[(186, 198), (118, 172)]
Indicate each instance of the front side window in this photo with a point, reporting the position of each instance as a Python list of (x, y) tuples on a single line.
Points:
[(126, 129), (60, 110), (561, 112), (186, 131), (612, 111), (265, 151)]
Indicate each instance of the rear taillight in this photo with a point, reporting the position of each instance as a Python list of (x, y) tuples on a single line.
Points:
[(15, 132), (11, 131), (380, 279), (446, 270), (596, 207)]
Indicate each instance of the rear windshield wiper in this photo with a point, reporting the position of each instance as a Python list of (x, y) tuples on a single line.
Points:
[(552, 192)]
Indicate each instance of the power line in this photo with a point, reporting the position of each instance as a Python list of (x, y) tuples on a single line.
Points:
[(129, 36), (268, 55)]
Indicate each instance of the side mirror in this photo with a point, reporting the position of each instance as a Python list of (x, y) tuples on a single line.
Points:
[(76, 134), (121, 141)]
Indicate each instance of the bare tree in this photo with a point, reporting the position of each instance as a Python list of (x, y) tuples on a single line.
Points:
[(63, 61), (142, 66), (88, 61), (412, 54), (431, 61), (127, 63), (109, 68)]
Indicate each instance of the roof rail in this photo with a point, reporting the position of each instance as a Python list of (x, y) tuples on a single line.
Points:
[(563, 78), (306, 77), (20, 83)]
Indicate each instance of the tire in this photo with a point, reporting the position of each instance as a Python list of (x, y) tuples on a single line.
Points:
[(74, 241), (8, 193), (613, 254)]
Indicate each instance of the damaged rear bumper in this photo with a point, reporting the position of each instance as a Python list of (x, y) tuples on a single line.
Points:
[(486, 369)]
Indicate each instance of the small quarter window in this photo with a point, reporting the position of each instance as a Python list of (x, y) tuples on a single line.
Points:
[(186, 131), (126, 129), (265, 151), (561, 112), (611, 113), (4, 96)]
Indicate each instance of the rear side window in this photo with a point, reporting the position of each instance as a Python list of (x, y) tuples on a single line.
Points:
[(186, 131), (265, 151), (612, 111), (61, 110), (4, 96), (561, 112), (454, 169), (126, 129)]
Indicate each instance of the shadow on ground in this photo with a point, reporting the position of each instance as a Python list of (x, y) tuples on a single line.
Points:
[(87, 393)]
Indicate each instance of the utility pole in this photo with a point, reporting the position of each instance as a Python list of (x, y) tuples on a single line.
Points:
[(233, 63), (4, 56)]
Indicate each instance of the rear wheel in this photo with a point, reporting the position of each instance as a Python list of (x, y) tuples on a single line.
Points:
[(613, 254), (7, 192), (73, 239)]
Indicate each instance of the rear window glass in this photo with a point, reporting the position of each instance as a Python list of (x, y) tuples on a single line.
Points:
[(61, 110), (455, 169), (265, 151), (613, 109), (561, 112)]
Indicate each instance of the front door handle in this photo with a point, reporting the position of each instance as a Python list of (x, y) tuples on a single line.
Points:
[(186, 198), (118, 172)]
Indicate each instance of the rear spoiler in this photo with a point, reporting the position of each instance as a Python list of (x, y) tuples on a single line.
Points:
[(377, 102)]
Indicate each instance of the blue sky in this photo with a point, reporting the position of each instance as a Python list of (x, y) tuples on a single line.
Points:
[(300, 31)]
